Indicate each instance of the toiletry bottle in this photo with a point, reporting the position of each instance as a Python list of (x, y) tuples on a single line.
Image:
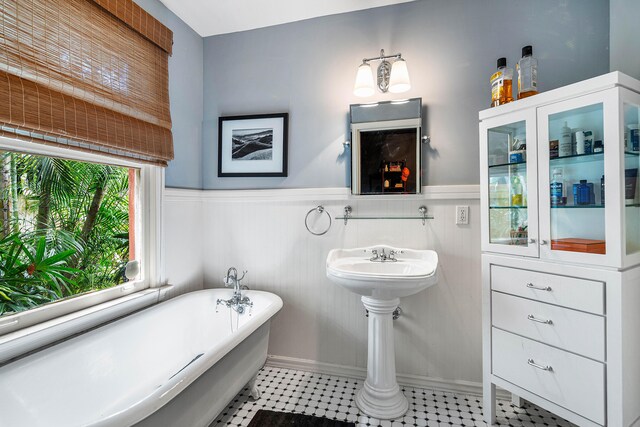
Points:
[(583, 193), (527, 73), (602, 190), (565, 147), (556, 187), (516, 192), (597, 147), (553, 148), (580, 142), (502, 84), (588, 142)]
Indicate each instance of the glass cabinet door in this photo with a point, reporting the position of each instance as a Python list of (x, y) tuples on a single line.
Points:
[(509, 176), (631, 162), (574, 140)]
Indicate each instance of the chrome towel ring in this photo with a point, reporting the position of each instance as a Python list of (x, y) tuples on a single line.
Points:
[(320, 209)]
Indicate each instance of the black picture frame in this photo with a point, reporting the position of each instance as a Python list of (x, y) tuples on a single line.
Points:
[(253, 145)]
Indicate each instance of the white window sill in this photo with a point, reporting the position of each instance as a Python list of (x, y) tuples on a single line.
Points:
[(22, 341)]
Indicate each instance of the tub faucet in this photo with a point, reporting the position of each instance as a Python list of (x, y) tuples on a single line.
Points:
[(232, 277), (237, 301)]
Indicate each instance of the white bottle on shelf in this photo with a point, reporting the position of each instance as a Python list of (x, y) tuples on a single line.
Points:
[(565, 146)]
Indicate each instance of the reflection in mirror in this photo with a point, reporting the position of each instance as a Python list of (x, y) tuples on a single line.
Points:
[(385, 152)]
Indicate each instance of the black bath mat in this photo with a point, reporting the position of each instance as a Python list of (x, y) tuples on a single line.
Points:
[(264, 418)]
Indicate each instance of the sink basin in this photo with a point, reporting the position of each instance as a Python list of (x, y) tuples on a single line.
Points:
[(414, 271)]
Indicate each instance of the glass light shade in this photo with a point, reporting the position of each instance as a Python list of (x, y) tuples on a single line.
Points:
[(399, 80), (364, 81)]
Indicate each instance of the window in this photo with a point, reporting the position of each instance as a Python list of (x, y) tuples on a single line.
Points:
[(70, 222), (67, 228)]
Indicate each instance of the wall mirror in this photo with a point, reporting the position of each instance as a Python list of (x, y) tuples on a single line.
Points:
[(385, 147)]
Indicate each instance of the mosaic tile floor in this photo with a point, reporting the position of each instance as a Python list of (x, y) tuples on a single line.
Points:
[(333, 397)]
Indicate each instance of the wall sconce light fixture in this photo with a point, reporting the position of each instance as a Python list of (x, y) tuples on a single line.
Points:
[(392, 77)]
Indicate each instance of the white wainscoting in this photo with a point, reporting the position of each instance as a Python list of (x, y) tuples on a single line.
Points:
[(438, 338), (182, 240)]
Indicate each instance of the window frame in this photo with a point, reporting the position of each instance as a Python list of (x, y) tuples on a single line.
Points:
[(148, 241)]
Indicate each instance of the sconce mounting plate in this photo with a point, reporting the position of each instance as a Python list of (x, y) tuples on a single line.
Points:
[(384, 72)]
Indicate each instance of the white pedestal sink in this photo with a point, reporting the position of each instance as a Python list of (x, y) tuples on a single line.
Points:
[(381, 281)]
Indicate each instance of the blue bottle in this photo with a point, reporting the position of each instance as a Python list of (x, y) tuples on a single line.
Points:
[(582, 193)]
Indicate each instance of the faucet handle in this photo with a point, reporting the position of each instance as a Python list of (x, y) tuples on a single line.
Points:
[(244, 273)]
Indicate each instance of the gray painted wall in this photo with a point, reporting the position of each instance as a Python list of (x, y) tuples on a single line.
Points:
[(307, 68), (624, 37), (185, 93)]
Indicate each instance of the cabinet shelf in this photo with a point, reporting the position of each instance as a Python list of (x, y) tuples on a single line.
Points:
[(577, 158), (577, 206), (508, 207), (502, 165), (632, 153)]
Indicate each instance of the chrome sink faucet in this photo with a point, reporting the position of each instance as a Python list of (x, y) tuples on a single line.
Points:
[(383, 257), (237, 302)]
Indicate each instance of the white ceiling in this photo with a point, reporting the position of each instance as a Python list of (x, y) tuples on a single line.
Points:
[(211, 17)]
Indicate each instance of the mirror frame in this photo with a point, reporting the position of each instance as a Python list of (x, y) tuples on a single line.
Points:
[(399, 123)]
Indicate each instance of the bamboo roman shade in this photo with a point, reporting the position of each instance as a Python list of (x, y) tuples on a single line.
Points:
[(87, 74)]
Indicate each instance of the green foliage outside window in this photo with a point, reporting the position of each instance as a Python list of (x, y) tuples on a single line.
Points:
[(64, 228)]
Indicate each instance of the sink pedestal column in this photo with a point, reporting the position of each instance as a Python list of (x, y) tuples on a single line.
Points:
[(381, 397)]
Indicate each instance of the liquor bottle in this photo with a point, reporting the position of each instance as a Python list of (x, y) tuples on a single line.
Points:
[(502, 84), (527, 73)]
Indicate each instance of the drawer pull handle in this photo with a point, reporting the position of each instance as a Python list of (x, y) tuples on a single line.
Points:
[(535, 365), (535, 319), (540, 288)]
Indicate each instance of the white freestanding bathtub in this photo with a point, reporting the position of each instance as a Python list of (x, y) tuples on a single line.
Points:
[(175, 364)]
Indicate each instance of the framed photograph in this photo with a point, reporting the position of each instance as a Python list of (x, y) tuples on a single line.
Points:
[(253, 145)]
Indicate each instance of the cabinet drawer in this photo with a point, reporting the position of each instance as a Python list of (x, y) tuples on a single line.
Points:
[(573, 382), (580, 294), (572, 330)]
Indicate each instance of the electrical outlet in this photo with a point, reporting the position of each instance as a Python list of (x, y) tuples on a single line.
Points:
[(462, 215)]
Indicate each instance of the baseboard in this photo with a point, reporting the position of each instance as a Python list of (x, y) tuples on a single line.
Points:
[(439, 384)]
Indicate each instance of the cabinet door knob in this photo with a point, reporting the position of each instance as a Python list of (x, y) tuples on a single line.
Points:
[(532, 241), (543, 242)]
